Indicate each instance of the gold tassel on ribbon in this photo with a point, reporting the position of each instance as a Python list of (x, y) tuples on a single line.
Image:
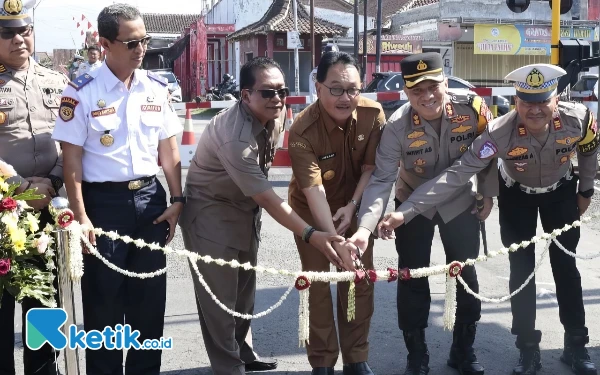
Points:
[(352, 301)]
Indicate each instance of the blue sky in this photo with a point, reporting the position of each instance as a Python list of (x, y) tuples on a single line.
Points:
[(55, 28)]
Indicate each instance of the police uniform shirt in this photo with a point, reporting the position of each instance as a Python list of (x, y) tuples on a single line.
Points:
[(29, 102), (322, 153), (411, 142), (573, 131), (230, 166), (136, 119), (86, 67)]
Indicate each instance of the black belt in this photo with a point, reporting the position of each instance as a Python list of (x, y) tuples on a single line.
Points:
[(123, 185)]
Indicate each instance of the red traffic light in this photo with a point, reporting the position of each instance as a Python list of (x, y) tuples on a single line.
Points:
[(565, 5), (518, 6)]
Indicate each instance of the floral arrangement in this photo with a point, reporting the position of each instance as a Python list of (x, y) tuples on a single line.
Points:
[(26, 263)]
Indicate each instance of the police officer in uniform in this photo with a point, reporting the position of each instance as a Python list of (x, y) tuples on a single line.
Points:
[(93, 63), (113, 126), (332, 146), (29, 99), (535, 144), (426, 136), (227, 186)]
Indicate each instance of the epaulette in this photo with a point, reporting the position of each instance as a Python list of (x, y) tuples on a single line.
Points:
[(306, 118), (157, 77), (81, 81)]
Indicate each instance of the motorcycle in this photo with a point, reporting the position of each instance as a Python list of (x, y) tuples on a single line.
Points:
[(224, 91)]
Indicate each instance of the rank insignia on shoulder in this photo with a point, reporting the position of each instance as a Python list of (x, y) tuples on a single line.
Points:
[(81, 81), (157, 77), (2, 69)]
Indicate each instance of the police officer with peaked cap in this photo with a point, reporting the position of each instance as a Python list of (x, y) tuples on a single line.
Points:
[(536, 144), (426, 136), (29, 99)]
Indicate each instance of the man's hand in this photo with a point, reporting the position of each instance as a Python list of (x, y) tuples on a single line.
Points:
[(43, 189), (360, 239), (171, 215), (40, 180), (85, 221), (583, 204), (488, 203), (323, 242), (344, 215), (390, 221), (345, 253)]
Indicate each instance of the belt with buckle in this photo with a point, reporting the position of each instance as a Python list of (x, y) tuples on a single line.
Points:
[(510, 182), (124, 185)]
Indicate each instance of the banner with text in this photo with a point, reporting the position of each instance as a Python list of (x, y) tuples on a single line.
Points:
[(393, 44)]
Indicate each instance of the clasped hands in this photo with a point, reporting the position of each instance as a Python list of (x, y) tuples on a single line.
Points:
[(43, 186)]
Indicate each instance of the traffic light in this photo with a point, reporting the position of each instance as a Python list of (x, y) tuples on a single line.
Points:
[(565, 5), (518, 6)]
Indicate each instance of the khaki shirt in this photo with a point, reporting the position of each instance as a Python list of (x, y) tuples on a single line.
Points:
[(573, 131), (324, 154), (230, 166), (411, 142), (29, 102)]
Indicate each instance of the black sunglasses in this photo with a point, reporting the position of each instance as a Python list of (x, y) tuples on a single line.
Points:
[(132, 44), (270, 93), (10, 33)]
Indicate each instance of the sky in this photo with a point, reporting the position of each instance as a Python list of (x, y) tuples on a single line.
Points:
[(55, 28)]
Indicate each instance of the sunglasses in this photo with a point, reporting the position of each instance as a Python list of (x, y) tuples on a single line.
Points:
[(270, 93), (10, 33), (132, 44)]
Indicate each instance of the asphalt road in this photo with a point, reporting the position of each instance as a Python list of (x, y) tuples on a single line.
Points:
[(276, 335)]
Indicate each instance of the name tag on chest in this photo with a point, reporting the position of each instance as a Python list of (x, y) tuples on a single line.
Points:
[(151, 108), (326, 157)]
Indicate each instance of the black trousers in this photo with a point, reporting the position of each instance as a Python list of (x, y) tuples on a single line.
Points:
[(110, 298), (460, 237), (518, 222), (41, 361)]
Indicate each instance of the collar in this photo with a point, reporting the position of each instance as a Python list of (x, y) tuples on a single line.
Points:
[(257, 127), (330, 124), (110, 79), (6, 69)]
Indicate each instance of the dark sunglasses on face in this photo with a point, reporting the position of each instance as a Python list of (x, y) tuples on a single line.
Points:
[(10, 33), (132, 44), (270, 93)]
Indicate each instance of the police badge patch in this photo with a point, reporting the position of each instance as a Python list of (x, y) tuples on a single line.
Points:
[(67, 108), (487, 150)]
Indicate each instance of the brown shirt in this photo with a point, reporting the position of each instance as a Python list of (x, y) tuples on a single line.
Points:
[(230, 166), (323, 153), (29, 102)]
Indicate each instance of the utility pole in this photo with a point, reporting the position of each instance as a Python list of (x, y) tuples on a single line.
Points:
[(356, 29), (554, 50), (378, 42), (312, 33), (364, 56), (296, 62)]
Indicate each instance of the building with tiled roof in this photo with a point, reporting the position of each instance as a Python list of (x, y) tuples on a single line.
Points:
[(337, 5), (158, 23)]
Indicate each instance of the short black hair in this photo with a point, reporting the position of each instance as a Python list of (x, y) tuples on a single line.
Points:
[(329, 59), (109, 17), (93, 48), (247, 73)]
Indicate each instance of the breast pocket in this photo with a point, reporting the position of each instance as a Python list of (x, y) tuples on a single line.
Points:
[(329, 171), (7, 111), (51, 98), (103, 129), (152, 124)]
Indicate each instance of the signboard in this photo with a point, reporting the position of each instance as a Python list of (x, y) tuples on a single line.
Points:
[(521, 39), (293, 40), (220, 28), (393, 44)]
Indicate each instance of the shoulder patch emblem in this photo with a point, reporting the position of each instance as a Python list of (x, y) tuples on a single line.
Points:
[(487, 150), (81, 81), (591, 138), (67, 108)]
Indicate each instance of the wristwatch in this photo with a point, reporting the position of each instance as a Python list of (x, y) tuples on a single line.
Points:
[(178, 199), (587, 193), (57, 182)]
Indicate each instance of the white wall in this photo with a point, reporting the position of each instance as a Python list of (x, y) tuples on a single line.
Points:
[(343, 19)]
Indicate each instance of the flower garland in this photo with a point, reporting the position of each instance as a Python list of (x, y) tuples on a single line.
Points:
[(302, 284), (454, 271)]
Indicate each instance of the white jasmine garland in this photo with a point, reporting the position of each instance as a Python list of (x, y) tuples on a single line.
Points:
[(304, 318)]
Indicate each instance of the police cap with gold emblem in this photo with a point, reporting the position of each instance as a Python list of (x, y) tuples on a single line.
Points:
[(536, 82), (13, 13), (421, 67)]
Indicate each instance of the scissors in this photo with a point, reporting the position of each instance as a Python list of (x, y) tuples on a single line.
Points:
[(359, 264)]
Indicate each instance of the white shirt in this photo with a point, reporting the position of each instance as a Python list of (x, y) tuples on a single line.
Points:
[(86, 67), (312, 80), (137, 118)]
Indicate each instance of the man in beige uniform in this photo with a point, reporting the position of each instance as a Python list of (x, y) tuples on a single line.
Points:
[(226, 187), (29, 99), (332, 147), (426, 136), (536, 144)]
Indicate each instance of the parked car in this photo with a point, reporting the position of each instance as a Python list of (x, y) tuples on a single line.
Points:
[(586, 91), (393, 81), (173, 81)]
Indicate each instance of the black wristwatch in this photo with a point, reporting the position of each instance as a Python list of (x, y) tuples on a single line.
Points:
[(57, 182), (178, 199), (587, 193)]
